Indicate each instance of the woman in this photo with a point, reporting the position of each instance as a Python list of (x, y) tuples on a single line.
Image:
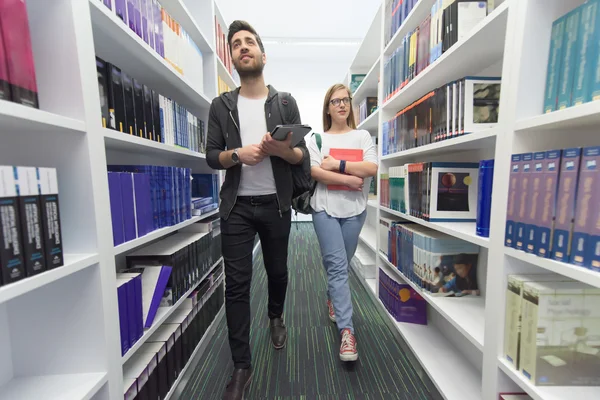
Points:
[(339, 202)]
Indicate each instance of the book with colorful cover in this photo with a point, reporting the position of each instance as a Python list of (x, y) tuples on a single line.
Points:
[(352, 155)]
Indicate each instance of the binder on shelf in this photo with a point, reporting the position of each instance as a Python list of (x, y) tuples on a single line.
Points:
[(31, 224), (554, 64), (546, 222), (128, 205), (123, 321), (51, 225), (524, 192), (536, 200), (116, 106), (165, 334), (132, 328), (142, 368), (128, 95), (11, 252), (4, 79), (135, 283), (14, 24), (156, 122), (103, 90), (131, 4), (121, 10), (138, 101), (116, 208), (513, 201), (148, 112), (160, 350)]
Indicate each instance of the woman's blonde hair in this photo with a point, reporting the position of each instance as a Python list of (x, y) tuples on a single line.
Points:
[(327, 118)]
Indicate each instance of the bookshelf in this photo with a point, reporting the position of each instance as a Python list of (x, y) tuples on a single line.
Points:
[(75, 306), (512, 42)]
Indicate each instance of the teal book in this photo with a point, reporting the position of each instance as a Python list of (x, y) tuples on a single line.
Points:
[(587, 52), (554, 58), (567, 71)]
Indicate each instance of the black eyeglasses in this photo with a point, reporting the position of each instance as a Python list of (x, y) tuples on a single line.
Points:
[(337, 102)]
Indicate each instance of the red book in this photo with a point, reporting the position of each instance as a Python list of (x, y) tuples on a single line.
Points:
[(352, 155), (19, 55), (4, 86)]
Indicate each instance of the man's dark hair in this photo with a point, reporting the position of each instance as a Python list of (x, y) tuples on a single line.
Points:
[(239, 25)]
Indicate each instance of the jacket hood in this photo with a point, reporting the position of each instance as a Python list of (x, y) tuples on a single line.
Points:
[(231, 98)]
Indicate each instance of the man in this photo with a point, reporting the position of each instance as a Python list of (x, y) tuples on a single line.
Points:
[(256, 195)]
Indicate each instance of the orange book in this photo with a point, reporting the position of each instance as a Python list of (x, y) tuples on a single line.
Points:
[(353, 155)]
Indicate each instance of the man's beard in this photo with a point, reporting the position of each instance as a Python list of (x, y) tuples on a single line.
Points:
[(248, 72)]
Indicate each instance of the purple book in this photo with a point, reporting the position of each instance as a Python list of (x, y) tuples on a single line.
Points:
[(524, 191), (139, 316), (123, 326), (144, 16), (137, 14), (127, 203), (536, 200), (159, 42), (148, 215), (107, 4), (149, 7), (140, 196), (121, 10), (547, 213), (594, 246), (154, 284), (131, 14), (116, 208), (565, 203), (131, 312), (513, 201), (410, 306), (588, 193)]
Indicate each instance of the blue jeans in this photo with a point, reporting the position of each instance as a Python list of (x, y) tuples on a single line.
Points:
[(338, 238)]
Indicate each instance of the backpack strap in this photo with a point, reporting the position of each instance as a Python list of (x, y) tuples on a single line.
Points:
[(318, 140), (282, 102)]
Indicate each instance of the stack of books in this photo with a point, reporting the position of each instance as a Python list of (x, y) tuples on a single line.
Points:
[(30, 221), (366, 107), (461, 107), (155, 367), (552, 205), (133, 108), (436, 262), (17, 69), (144, 198), (449, 22), (571, 78), (402, 301), (205, 193), (152, 23)]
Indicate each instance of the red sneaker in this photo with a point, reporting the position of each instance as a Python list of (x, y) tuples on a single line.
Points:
[(348, 350), (331, 311)]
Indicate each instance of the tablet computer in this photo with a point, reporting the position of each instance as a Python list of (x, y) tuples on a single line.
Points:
[(298, 132)]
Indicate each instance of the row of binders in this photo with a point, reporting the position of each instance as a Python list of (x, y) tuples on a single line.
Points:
[(17, 69), (553, 208), (133, 108), (464, 106), (152, 23), (30, 222), (144, 198), (572, 77), (432, 260), (402, 301), (160, 274), (449, 22), (152, 371)]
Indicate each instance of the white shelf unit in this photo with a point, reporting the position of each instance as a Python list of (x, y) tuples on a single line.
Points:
[(512, 42), (75, 306)]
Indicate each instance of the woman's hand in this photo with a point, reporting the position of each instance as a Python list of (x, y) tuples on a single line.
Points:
[(330, 164), (354, 182)]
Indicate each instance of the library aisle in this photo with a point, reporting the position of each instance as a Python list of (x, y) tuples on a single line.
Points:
[(309, 366)]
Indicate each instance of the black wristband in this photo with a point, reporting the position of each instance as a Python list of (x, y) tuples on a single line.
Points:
[(343, 166)]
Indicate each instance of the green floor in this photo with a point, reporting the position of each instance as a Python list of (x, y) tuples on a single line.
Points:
[(309, 367)]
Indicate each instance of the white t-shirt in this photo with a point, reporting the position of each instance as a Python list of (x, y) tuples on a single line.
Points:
[(258, 179), (341, 203)]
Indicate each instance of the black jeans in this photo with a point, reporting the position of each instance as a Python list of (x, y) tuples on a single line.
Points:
[(252, 215)]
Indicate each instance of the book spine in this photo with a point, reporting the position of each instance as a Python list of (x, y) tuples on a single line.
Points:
[(116, 208), (139, 306), (137, 14), (131, 14), (548, 211), (567, 189), (484, 197), (554, 65), (31, 224), (20, 64), (131, 312), (587, 200), (524, 191), (127, 201), (513, 201), (50, 215), (121, 10), (123, 325), (12, 262), (536, 201), (586, 53), (116, 107), (569, 57), (4, 79)]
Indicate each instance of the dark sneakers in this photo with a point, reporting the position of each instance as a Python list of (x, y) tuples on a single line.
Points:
[(278, 333), (240, 380)]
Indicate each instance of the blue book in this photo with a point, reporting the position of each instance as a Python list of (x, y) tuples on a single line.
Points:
[(545, 224), (135, 280), (565, 204), (524, 193), (140, 197), (567, 70), (131, 311), (116, 208), (484, 198), (121, 10), (587, 52), (128, 205), (554, 64), (536, 201), (123, 324)]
